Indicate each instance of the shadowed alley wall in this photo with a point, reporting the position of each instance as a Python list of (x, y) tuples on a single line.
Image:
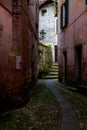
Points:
[(18, 41), (72, 44)]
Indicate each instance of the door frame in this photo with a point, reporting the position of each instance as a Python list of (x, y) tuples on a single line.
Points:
[(78, 63)]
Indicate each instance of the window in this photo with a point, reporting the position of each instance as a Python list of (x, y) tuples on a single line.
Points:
[(64, 14), (85, 1), (44, 12), (37, 13), (27, 2)]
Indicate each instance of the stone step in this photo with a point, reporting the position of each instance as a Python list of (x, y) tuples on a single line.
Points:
[(53, 73), (50, 77), (53, 66), (53, 69)]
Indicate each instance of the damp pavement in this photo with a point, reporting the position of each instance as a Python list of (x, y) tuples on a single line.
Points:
[(69, 120)]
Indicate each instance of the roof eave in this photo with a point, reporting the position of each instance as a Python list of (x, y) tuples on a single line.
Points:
[(45, 3)]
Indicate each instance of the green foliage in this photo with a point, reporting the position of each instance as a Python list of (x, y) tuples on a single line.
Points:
[(14, 120), (43, 73), (49, 45), (56, 7)]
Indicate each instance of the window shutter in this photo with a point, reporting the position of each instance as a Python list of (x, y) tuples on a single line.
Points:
[(67, 12), (85, 1), (64, 14), (27, 2), (61, 17)]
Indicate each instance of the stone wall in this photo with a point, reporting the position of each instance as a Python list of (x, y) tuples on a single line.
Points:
[(45, 59), (47, 22)]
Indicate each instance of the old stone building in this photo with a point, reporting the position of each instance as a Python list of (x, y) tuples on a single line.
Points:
[(47, 25), (72, 43), (18, 51)]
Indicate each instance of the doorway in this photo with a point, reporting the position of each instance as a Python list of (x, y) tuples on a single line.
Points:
[(65, 66), (56, 53), (78, 64)]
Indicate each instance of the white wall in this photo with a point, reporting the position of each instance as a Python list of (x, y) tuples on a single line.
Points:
[(47, 23)]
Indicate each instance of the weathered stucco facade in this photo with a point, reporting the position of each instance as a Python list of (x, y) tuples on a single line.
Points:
[(18, 51), (72, 44)]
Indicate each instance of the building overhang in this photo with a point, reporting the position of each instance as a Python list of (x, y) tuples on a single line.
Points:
[(45, 2)]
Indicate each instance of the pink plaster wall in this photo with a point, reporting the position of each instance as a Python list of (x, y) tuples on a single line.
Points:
[(74, 34), (18, 52), (5, 42)]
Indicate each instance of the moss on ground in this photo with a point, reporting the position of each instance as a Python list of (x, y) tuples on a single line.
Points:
[(41, 113)]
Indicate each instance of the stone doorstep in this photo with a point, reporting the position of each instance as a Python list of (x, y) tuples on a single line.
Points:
[(78, 88), (82, 86), (82, 89), (51, 77), (68, 87)]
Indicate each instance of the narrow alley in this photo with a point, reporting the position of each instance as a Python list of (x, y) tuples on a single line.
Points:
[(69, 120), (51, 107), (43, 64)]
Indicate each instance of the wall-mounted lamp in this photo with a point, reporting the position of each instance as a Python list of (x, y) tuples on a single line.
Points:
[(42, 34)]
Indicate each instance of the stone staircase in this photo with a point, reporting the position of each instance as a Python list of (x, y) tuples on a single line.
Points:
[(53, 72)]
